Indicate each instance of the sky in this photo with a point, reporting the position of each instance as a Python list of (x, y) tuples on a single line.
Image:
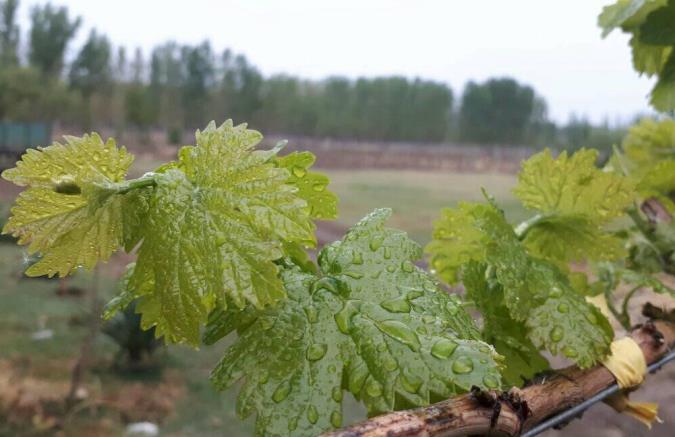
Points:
[(554, 46)]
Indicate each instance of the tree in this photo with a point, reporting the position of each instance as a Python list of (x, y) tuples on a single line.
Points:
[(51, 31), (9, 33), (91, 69), (498, 110), (198, 79), (240, 86)]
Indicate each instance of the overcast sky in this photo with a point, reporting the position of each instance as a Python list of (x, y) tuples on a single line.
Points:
[(552, 45)]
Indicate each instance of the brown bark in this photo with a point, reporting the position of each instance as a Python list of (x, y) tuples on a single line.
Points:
[(510, 414)]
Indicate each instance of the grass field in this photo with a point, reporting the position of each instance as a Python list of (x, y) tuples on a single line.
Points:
[(181, 398)]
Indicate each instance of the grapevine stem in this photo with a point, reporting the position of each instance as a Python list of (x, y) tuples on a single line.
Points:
[(147, 180), (524, 227), (625, 318)]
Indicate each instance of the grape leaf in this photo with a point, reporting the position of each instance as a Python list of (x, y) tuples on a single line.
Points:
[(522, 360), (373, 324), (663, 93), (215, 224), (626, 14), (612, 274), (648, 59), (574, 199), (659, 26), (69, 212), (532, 286), (650, 141), (311, 185)]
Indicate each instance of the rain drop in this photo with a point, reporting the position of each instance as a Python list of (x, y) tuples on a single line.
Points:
[(556, 333), (319, 187), (373, 388), (281, 392), (336, 394), (570, 352), (443, 348), (490, 382), (336, 419), (400, 332), (462, 365), (398, 305), (299, 172), (376, 242), (312, 414), (407, 266), (316, 351), (357, 258), (563, 308), (312, 314)]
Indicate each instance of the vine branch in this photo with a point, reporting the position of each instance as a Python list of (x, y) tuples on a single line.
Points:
[(517, 411)]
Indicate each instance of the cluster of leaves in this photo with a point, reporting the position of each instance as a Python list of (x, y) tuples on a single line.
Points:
[(651, 24), (519, 278), (220, 235)]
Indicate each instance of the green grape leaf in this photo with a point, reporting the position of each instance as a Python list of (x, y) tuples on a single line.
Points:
[(659, 182), (650, 141), (626, 14), (455, 241), (312, 186), (663, 93), (574, 199), (648, 59), (522, 360), (531, 286), (69, 212), (215, 224), (371, 323), (659, 26)]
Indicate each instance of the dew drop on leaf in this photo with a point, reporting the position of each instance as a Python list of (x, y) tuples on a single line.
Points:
[(407, 266), (592, 319), (292, 423), (343, 319), (563, 308), (281, 392), (357, 258), (397, 305), (387, 253), (312, 414), (299, 172), (452, 308), (400, 332), (391, 269), (490, 381), (555, 293), (316, 351), (462, 365), (570, 352), (443, 348), (410, 382), (336, 419), (319, 187), (412, 295), (354, 275), (336, 394), (556, 333), (390, 364), (376, 242)]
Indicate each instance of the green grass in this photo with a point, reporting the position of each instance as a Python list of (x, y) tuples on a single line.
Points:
[(416, 198)]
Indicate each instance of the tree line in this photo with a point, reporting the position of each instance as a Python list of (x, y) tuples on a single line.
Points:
[(181, 87)]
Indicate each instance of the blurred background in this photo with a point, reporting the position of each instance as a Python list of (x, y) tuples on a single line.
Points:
[(410, 105)]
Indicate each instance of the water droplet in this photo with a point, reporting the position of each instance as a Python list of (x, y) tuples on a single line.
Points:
[(376, 242), (592, 319), (400, 332), (556, 292), (422, 330), (357, 258), (376, 274), (407, 266), (292, 423), (397, 305), (443, 348), (264, 377), (299, 171), (312, 414), (373, 388), (220, 239), (354, 275), (462, 365), (281, 392), (312, 314), (316, 351), (391, 269), (343, 319), (570, 352), (390, 364), (556, 333), (387, 253), (410, 382), (319, 187), (563, 308), (412, 295), (336, 394), (336, 419), (357, 377), (490, 381)]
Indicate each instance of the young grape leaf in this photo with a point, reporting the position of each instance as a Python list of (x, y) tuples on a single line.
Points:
[(371, 323), (663, 94), (627, 14), (522, 360), (535, 291), (574, 199), (70, 212), (215, 224), (658, 27), (612, 274), (311, 185)]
